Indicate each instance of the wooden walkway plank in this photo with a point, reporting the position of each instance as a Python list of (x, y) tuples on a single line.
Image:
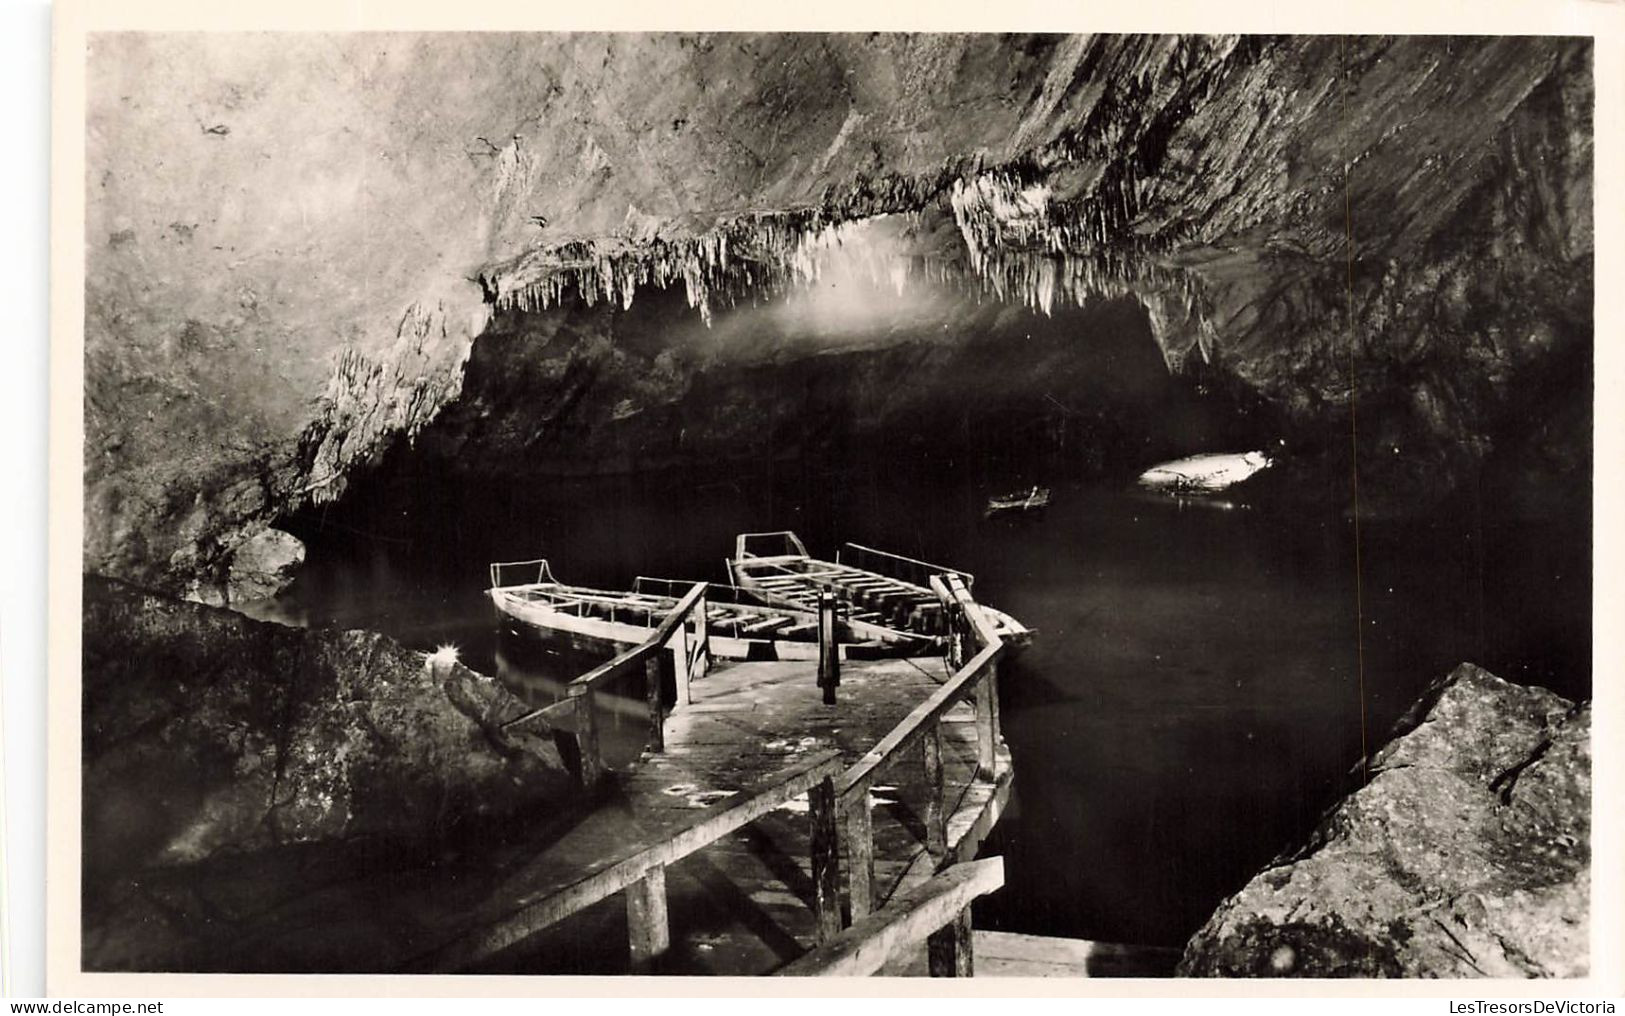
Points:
[(910, 916), (1006, 954), (751, 901)]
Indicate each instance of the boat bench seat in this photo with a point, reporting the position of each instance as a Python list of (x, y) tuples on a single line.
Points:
[(762, 627)]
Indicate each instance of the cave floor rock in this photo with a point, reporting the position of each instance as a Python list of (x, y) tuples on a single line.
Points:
[(1465, 854), (232, 765)]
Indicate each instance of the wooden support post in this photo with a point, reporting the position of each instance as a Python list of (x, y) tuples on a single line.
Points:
[(592, 766), (860, 851), (654, 667), (936, 821), (948, 951), (826, 860), (829, 650), (956, 636), (648, 930), (987, 725)]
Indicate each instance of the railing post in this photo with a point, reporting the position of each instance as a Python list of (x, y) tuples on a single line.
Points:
[(653, 672), (948, 951), (648, 929), (704, 630), (683, 663), (826, 860), (860, 851), (696, 654), (592, 767), (987, 724), (683, 657), (829, 652), (936, 823)]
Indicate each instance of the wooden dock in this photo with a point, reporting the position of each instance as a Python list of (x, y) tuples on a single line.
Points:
[(743, 904), (764, 828), (768, 827)]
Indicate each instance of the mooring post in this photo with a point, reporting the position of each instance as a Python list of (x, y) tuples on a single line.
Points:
[(829, 650), (956, 635)]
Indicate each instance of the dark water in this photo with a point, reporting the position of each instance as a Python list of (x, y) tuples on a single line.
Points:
[(1202, 681)]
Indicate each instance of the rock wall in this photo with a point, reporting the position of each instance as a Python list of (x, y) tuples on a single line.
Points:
[(293, 240), (206, 732), (1466, 854)]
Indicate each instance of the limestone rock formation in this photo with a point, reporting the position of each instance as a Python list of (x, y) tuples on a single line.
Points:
[(292, 241), (260, 567), (206, 732), (1467, 854)]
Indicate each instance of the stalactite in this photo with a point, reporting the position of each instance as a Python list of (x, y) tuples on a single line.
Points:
[(369, 401), (1021, 243)]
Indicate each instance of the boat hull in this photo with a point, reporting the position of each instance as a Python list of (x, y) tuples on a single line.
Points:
[(1204, 474), (599, 635), (795, 581)]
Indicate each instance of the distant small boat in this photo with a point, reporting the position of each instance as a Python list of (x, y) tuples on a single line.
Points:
[(1036, 499), (739, 626), (1204, 474)]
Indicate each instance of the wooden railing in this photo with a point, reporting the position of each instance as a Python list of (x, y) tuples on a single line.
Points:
[(937, 911), (838, 803), (641, 874), (678, 649), (977, 679)]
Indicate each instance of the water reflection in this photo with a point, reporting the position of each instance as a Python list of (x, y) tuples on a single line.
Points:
[(540, 673)]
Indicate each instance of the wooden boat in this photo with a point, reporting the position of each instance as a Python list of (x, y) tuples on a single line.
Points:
[(1034, 500), (739, 626), (1204, 474), (883, 588)]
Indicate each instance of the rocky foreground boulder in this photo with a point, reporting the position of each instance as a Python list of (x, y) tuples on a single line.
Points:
[(1466, 854), (206, 732)]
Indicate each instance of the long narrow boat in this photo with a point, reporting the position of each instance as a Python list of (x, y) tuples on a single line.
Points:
[(740, 627), (1204, 474), (882, 588)]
